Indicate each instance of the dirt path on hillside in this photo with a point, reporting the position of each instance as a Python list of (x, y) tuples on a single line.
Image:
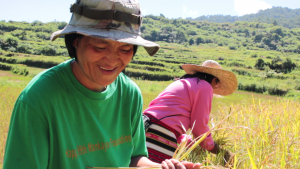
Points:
[(4, 73)]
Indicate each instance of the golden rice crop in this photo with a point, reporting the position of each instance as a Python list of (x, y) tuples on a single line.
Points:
[(262, 133)]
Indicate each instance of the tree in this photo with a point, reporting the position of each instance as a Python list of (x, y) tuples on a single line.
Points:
[(37, 23), (25, 48), (232, 46), (191, 41), (260, 64), (48, 50), (9, 42), (258, 38), (191, 32), (61, 25), (247, 32), (154, 35), (143, 27), (200, 40), (288, 65), (278, 30), (180, 36)]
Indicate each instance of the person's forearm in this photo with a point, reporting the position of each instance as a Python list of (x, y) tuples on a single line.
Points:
[(141, 161)]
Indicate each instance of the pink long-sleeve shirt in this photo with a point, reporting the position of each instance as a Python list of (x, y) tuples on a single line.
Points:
[(191, 101)]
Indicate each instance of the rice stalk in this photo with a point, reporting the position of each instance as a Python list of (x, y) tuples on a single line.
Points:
[(251, 159), (195, 142), (182, 146)]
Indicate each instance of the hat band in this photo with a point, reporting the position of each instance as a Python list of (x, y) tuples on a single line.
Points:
[(106, 14)]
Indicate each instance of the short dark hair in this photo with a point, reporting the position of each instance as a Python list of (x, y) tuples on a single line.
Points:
[(69, 38), (201, 76)]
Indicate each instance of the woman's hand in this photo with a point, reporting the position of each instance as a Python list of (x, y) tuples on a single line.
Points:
[(141, 161), (175, 164)]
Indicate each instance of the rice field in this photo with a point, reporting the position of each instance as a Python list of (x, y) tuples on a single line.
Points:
[(262, 131)]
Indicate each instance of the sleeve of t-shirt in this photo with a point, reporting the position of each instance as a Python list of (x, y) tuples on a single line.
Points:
[(200, 113), (139, 138), (27, 144)]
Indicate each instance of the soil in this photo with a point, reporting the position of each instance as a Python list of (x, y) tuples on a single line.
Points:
[(4, 73)]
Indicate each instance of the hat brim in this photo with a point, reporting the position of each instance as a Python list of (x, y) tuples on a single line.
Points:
[(228, 80), (111, 34)]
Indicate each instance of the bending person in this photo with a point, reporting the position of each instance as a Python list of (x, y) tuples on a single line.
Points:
[(185, 102)]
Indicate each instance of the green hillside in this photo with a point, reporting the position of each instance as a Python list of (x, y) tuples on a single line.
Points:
[(265, 57), (281, 16)]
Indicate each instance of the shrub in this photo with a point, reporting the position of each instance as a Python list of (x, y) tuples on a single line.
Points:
[(277, 91), (232, 47), (200, 40), (191, 41), (237, 64), (9, 42), (254, 55), (241, 72), (20, 71), (148, 76), (25, 48), (260, 64), (5, 66)]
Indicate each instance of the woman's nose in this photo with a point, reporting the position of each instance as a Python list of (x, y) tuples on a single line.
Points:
[(111, 58)]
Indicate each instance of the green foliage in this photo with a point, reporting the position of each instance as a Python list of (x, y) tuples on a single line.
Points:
[(200, 40), (32, 38), (260, 64), (144, 75), (25, 48), (16, 69), (233, 47), (8, 42), (45, 62), (19, 70), (254, 55), (180, 36), (4, 66), (235, 64), (191, 41), (236, 46), (241, 72), (279, 65), (284, 17)]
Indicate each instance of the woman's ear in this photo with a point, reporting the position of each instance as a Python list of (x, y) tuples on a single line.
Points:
[(217, 82)]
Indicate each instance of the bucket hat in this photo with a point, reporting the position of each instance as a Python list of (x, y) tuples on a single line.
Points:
[(228, 80), (118, 20)]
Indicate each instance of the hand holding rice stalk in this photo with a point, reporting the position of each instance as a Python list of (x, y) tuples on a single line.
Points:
[(183, 147)]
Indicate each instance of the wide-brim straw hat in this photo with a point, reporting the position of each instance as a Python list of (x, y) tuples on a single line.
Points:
[(228, 80), (118, 20)]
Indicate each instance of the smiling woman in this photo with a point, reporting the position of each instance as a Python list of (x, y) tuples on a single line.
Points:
[(100, 61), (66, 112)]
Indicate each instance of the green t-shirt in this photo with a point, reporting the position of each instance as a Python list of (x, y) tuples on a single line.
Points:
[(58, 123)]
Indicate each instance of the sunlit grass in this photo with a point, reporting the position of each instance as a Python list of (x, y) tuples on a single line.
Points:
[(262, 128), (11, 86), (263, 134), (278, 127)]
